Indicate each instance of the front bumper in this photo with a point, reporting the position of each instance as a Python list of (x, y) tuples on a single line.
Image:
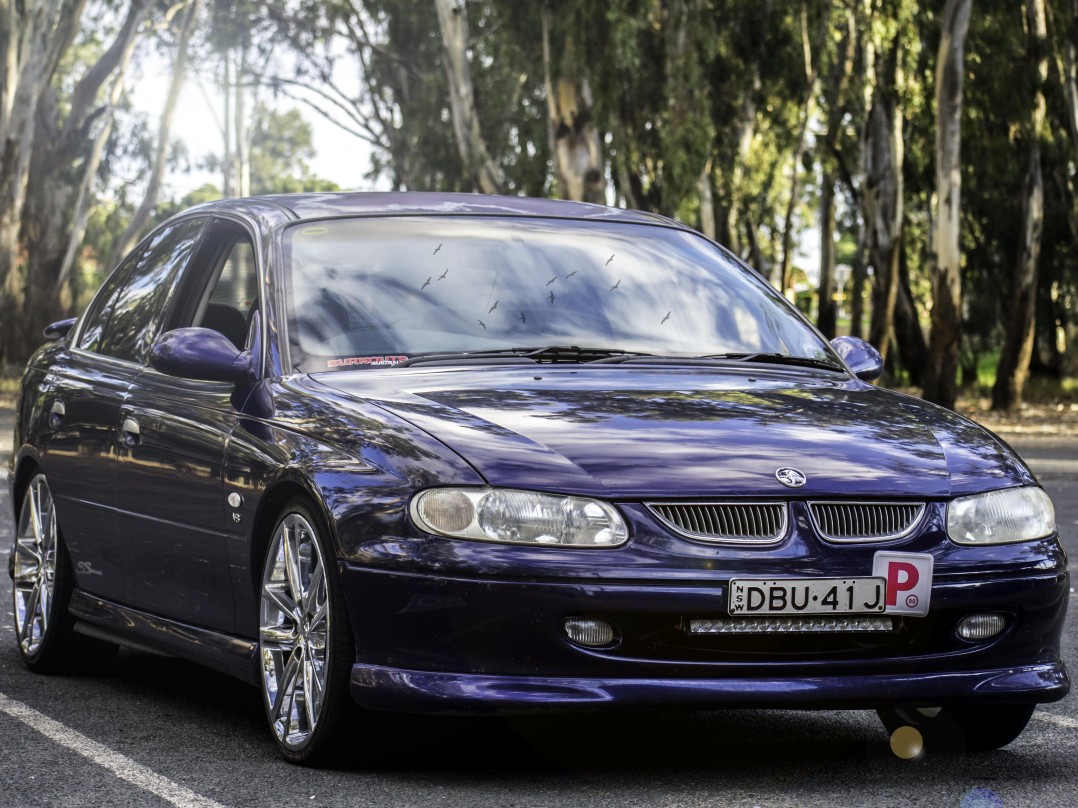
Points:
[(455, 643), (381, 688)]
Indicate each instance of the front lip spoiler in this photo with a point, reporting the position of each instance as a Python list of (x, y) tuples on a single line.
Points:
[(383, 688)]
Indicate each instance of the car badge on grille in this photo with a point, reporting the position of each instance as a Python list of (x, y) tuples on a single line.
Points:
[(792, 478)]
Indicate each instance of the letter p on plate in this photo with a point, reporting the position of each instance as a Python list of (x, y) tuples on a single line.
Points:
[(909, 581)]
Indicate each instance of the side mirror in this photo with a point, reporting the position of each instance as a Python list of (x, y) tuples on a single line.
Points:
[(202, 353), (58, 330), (864, 360)]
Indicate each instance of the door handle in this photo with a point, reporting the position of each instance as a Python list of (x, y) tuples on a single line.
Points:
[(57, 413), (130, 432)]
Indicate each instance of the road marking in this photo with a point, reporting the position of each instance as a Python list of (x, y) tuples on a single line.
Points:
[(1061, 720), (120, 765)]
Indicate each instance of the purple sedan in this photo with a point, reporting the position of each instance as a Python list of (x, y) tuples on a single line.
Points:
[(454, 453)]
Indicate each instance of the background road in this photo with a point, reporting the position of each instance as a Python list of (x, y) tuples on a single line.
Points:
[(156, 731)]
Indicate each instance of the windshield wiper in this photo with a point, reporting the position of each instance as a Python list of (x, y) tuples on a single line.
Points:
[(549, 354), (780, 359)]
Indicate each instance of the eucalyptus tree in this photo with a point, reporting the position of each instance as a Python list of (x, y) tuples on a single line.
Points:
[(835, 106), (59, 86), (1020, 331), (942, 367), (188, 21)]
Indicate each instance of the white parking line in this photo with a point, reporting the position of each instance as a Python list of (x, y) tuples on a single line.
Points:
[(1061, 720), (120, 765)]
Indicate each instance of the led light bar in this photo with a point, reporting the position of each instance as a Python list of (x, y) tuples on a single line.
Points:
[(790, 625)]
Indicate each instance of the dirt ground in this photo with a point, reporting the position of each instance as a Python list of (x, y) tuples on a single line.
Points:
[(1032, 420)]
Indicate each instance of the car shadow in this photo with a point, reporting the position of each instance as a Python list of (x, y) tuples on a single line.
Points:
[(614, 741)]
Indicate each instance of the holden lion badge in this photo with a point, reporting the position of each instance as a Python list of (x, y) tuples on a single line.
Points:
[(791, 478)]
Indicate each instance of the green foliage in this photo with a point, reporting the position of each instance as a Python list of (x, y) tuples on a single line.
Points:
[(281, 147), (683, 89)]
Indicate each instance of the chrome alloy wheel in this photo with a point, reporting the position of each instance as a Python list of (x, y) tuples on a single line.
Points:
[(294, 631), (35, 566)]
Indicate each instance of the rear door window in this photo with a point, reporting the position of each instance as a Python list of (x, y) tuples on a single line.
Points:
[(139, 309)]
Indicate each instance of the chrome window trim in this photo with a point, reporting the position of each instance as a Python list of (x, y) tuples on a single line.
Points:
[(784, 529), (922, 507)]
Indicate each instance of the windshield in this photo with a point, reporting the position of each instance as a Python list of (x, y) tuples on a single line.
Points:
[(365, 292)]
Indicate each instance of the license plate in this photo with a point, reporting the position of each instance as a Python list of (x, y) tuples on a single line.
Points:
[(752, 596)]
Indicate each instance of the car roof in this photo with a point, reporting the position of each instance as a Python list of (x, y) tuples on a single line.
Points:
[(416, 203)]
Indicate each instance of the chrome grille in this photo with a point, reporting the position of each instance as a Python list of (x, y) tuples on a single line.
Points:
[(741, 522), (865, 521)]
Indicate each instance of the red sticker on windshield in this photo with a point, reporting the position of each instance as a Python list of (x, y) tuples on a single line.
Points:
[(365, 361)]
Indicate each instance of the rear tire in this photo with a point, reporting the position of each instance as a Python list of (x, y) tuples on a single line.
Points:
[(306, 649), (42, 583), (961, 727)]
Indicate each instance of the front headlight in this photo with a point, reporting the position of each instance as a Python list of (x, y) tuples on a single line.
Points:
[(518, 517), (1000, 517)]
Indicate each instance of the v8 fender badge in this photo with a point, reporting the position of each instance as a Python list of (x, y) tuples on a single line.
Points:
[(791, 478)]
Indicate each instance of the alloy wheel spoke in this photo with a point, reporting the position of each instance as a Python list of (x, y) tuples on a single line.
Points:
[(286, 685), (35, 520), (318, 619), (308, 693), (315, 601), (273, 594), (31, 610), (43, 599), (290, 545)]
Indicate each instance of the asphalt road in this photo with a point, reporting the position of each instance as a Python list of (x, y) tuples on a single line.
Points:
[(156, 731)]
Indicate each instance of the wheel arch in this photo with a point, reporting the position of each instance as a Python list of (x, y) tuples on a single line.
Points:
[(25, 468), (270, 508)]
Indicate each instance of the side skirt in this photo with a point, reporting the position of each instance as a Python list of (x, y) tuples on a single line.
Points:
[(224, 653)]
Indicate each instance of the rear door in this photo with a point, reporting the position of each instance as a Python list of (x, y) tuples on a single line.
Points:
[(111, 350), (82, 399)]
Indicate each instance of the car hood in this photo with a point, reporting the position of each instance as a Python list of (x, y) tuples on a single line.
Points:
[(646, 432)]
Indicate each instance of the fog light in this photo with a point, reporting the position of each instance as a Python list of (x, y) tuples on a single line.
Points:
[(981, 626), (588, 631)]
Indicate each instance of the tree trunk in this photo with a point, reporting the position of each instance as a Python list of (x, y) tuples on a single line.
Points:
[(243, 156), (453, 23), (707, 202), (825, 320), (836, 110), (909, 338), (141, 217), (941, 370), (228, 186), (35, 36), (574, 138), (882, 200), (807, 112), (746, 131), (858, 277), (1020, 329)]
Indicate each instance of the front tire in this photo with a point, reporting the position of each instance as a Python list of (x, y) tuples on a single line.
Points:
[(961, 727), (42, 583), (306, 648)]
